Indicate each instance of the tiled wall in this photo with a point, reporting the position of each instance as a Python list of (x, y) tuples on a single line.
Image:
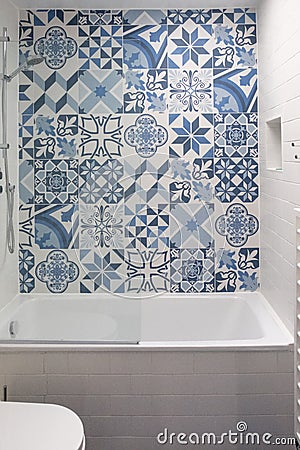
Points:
[(126, 398), (139, 152), (280, 97)]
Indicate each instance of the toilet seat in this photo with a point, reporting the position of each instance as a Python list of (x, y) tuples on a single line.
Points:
[(39, 426)]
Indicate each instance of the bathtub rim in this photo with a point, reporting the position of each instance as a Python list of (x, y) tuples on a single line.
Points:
[(285, 343)]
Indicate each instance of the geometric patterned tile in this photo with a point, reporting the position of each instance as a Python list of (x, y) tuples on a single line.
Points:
[(26, 274), (191, 225), (147, 227), (138, 146), (101, 91), (146, 271), (94, 17), (144, 16), (235, 179), (100, 136), (101, 181), (102, 271), (26, 131), (56, 181), (236, 135), (190, 44), (192, 270), (26, 181), (191, 135), (101, 48)]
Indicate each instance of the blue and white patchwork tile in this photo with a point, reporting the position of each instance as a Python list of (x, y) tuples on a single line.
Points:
[(94, 17), (191, 225), (236, 179), (26, 133), (147, 271), (102, 270), (41, 18), (237, 226), (198, 169), (234, 16), (26, 271), (191, 181), (191, 90), (237, 269), (145, 17), (181, 16), (100, 136), (145, 46), (101, 225), (236, 91), (56, 181), (26, 93), (192, 270), (26, 182), (26, 28), (145, 90), (56, 226), (190, 45), (55, 91), (101, 47), (56, 136), (146, 134), (57, 271), (191, 135), (56, 46), (236, 135), (101, 91), (26, 226), (146, 180), (101, 181), (147, 226)]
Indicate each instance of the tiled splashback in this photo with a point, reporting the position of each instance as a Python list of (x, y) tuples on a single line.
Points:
[(139, 152)]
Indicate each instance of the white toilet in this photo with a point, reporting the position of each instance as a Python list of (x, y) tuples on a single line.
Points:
[(39, 426)]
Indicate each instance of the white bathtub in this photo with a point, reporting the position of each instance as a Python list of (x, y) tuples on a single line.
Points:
[(131, 368), (205, 321)]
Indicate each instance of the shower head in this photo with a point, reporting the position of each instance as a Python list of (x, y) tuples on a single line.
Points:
[(33, 60), (29, 62)]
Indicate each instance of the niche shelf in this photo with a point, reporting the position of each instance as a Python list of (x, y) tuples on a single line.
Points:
[(274, 144)]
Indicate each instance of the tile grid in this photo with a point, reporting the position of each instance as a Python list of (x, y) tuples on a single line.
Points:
[(133, 168)]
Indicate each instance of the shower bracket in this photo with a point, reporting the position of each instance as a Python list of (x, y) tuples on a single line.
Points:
[(4, 146), (4, 39)]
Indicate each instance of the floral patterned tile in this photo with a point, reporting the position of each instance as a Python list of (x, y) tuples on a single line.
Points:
[(145, 91), (237, 269), (190, 90)]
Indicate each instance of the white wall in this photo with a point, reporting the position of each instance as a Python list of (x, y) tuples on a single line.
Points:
[(8, 263), (279, 75)]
